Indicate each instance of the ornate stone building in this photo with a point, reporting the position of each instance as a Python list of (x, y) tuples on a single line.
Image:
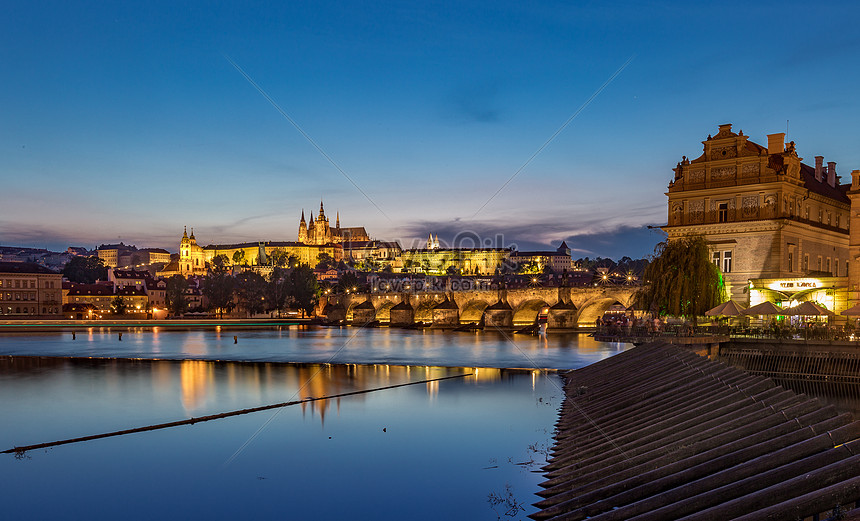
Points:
[(318, 232), (777, 228)]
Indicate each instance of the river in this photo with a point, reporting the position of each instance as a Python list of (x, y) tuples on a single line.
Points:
[(438, 449)]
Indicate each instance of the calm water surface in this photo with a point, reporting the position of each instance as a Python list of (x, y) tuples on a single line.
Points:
[(428, 451), (322, 345)]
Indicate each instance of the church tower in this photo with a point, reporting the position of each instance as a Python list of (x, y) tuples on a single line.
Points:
[(303, 230)]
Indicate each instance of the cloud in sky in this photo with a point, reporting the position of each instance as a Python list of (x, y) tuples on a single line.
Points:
[(588, 240)]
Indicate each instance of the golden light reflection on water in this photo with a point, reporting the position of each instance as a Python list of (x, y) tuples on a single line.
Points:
[(196, 380)]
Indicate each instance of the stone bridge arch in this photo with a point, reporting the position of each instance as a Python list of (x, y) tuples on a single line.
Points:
[(527, 311), (383, 309), (594, 308), (473, 310)]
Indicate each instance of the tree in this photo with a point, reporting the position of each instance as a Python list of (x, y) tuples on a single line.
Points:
[(218, 289), (279, 257), (251, 290), (118, 305), (85, 270), (220, 261), (278, 289), (305, 289), (238, 256), (681, 280), (347, 282), (175, 295), (325, 261)]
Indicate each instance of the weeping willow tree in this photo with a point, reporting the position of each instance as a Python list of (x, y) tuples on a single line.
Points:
[(681, 280)]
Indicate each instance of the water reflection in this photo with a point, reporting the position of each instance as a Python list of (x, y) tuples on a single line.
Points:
[(323, 345), (402, 441)]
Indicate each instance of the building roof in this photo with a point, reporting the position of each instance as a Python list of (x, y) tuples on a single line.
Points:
[(25, 267), (807, 173), (88, 290)]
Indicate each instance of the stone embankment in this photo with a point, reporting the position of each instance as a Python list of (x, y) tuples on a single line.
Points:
[(658, 432)]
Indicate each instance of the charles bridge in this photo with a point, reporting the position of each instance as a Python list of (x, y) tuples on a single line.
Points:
[(566, 307)]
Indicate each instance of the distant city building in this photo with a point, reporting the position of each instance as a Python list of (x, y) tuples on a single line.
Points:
[(438, 260), (557, 261), (195, 259), (28, 290)]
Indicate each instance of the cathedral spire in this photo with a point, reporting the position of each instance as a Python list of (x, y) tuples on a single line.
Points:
[(192, 234), (303, 216), (185, 232), (322, 211), (337, 220)]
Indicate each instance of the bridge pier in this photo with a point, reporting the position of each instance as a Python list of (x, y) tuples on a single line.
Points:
[(363, 313), (402, 314), (561, 316), (446, 314), (500, 315)]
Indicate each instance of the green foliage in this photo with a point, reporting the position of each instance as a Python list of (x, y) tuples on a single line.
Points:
[(681, 280), (279, 257), (529, 268), (325, 262), (238, 256), (251, 290), (85, 270), (118, 306), (347, 282), (175, 295), (218, 290), (304, 288), (278, 289), (220, 261)]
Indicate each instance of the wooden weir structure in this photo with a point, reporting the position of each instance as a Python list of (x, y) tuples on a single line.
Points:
[(658, 432)]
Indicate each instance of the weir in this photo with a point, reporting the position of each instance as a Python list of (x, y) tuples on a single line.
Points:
[(658, 432)]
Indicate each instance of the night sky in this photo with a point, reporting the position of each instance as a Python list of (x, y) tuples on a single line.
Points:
[(127, 122)]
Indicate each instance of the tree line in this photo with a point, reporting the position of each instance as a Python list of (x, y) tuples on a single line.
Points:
[(249, 291)]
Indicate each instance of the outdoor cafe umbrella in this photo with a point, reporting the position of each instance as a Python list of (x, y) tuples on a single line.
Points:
[(765, 308), (808, 308), (853, 311), (726, 309)]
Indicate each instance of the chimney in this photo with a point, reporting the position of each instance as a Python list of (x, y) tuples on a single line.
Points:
[(819, 161), (831, 173), (855, 180), (776, 143)]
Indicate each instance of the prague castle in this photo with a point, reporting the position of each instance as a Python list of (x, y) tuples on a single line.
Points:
[(315, 238), (319, 232)]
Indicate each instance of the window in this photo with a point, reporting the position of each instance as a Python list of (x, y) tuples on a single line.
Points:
[(828, 264), (829, 218), (723, 212), (837, 220), (716, 259), (727, 262), (790, 261), (836, 268), (819, 263), (807, 213), (820, 216)]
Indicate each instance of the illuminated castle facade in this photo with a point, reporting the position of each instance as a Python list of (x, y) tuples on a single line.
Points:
[(318, 231)]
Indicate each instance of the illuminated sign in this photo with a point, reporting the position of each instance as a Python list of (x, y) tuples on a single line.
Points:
[(793, 285)]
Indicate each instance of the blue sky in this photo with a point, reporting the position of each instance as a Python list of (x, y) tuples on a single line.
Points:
[(127, 122)]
